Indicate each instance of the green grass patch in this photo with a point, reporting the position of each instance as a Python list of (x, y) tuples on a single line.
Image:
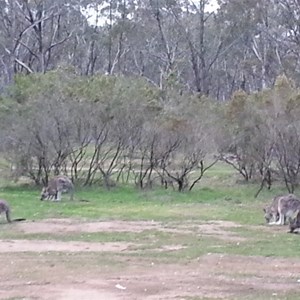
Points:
[(128, 203)]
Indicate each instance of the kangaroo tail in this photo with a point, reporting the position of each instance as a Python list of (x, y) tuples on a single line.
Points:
[(8, 215)]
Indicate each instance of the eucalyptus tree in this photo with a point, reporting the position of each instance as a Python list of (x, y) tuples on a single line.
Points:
[(289, 38), (251, 64), (34, 34)]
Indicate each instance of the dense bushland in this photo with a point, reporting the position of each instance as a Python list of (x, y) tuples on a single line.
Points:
[(109, 130)]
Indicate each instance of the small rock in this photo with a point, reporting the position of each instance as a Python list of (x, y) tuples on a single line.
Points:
[(120, 287)]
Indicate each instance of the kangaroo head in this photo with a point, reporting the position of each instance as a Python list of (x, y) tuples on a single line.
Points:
[(294, 222), (268, 214), (44, 193)]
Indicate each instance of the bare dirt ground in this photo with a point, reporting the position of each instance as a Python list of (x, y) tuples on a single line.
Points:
[(58, 269)]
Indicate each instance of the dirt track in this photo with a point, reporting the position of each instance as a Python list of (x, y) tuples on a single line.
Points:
[(53, 269)]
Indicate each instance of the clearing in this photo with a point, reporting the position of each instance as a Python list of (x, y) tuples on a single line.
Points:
[(73, 259)]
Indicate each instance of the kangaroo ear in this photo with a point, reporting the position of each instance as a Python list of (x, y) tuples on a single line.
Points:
[(264, 209)]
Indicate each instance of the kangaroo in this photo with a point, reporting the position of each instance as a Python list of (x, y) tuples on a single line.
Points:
[(271, 213), (56, 186), (295, 223), (287, 208), (4, 207)]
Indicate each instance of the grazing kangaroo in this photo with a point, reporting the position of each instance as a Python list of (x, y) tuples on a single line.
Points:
[(295, 223), (271, 212), (4, 207), (56, 186), (287, 208)]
